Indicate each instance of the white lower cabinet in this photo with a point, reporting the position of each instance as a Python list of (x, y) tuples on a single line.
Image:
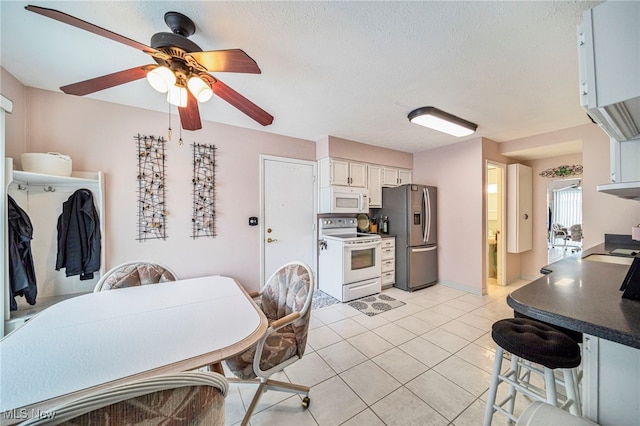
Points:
[(611, 382), (388, 261)]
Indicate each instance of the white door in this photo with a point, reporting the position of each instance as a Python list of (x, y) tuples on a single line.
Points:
[(495, 195), (288, 200)]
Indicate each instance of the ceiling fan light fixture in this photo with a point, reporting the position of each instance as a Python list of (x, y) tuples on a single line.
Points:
[(199, 89), (442, 121), (161, 79), (177, 96)]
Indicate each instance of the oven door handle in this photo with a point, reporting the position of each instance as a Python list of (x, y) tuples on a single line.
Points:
[(360, 246)]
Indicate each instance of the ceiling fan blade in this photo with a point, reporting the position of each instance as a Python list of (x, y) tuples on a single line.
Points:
[(79, 23), (106, 81), (190, 115), (232, 60), (242, 103)]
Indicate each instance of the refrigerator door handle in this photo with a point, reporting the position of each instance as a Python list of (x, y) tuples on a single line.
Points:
[(423, 249), (427, 223)]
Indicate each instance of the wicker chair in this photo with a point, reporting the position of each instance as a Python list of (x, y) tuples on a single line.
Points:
[(189, 398), (133, 274), (286, 302)]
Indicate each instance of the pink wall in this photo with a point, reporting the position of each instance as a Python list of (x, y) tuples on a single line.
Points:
[(458, 172), (602, 213), (491, 152), (99, 136), (332, 146), (536, 258), (12, 89)]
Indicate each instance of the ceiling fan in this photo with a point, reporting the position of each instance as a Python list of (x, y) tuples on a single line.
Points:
[(181, 68)]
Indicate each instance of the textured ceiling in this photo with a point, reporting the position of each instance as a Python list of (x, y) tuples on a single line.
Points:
[(348, 69)]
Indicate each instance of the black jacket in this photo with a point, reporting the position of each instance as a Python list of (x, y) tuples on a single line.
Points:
[(22, 276), (79, 236)]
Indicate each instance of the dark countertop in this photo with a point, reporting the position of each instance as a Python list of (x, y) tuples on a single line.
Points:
[(584, 296)]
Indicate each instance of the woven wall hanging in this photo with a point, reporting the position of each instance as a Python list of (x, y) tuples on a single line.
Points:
[(203, 219), (152, 214)]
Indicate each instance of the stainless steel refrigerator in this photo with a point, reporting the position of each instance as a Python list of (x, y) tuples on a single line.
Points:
[(412, 212)]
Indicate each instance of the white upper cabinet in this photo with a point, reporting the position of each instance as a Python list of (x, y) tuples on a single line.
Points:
[(389, 177), (395, 177), (343, 173), (519, 208), (358, 175), (375, 186), (404, 176), (609, 67)]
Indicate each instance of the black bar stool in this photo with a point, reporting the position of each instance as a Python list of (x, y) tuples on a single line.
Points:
[(534, 347)]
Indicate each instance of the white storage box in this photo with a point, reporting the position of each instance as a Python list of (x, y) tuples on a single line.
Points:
[(48, 163)]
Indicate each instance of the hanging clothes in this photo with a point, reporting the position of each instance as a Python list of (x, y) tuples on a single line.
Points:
[(22, 275), (79, 239)]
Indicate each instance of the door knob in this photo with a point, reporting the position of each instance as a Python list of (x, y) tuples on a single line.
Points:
[(271, 240)]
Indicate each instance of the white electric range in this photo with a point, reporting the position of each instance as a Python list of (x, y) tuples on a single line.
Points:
[(349, 262)]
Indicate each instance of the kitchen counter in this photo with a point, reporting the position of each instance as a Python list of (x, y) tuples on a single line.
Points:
[(584, 296)]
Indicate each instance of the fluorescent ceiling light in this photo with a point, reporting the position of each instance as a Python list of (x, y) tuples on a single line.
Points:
[(442, 121)]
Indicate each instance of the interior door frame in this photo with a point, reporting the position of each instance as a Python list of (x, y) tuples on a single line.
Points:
[(6, 106), (314, 164), (501, 237)]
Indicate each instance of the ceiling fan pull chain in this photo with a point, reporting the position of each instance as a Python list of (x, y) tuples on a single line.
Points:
[(180, 142), (169, 132)]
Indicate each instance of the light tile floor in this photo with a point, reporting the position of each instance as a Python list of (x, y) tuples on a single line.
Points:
[(425, 363)]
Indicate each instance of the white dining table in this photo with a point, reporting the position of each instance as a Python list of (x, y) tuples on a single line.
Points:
[(98, 340)]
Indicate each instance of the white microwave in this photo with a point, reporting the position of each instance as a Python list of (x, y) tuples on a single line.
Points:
[(343, 199)]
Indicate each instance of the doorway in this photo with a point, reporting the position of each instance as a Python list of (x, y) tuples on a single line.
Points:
[(495, 214), (564, 219), (288, 210)]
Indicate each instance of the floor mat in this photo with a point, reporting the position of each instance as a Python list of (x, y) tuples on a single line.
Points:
[(321, 300), (376, 304)]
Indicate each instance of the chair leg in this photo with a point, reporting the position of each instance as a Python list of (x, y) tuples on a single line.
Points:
[(511, 404), (286, 387), (550, 385), (493, 387), (572, 390), (216, 368), (265, 385), (254, 403)]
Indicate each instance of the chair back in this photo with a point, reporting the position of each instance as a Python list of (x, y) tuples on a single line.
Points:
[(193, 398), (288, 290), (133, 274), (576, 232)]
